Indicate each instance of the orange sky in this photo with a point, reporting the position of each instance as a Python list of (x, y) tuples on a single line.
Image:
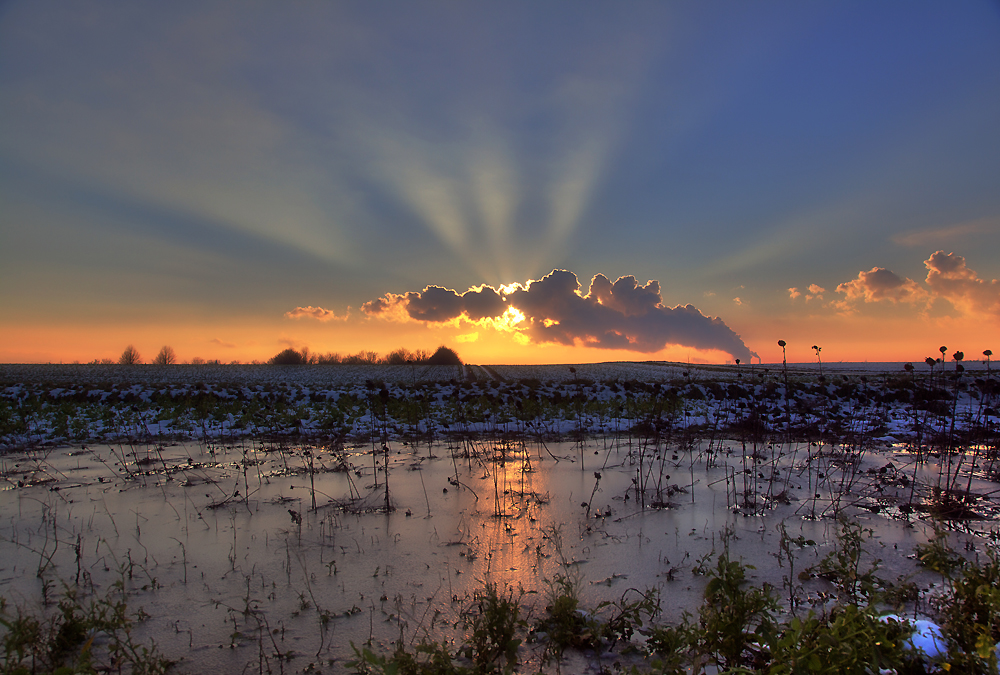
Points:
[(870, 338)]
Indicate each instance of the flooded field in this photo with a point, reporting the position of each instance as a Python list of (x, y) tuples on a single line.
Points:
[(261, 548), (255, 557)]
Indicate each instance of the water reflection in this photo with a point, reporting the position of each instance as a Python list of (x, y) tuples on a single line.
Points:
[(511, 541)]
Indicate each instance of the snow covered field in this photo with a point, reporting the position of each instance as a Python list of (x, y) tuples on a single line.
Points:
[(53, 404)]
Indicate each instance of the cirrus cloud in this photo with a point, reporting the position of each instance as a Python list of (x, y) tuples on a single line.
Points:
[(611, 315)]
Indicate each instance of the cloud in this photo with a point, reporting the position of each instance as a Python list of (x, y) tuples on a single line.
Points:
[(813, 292), (317, 313), (880, 284), (625, 295), (619, 315), (217, 341), (437, 305), (948, 278)]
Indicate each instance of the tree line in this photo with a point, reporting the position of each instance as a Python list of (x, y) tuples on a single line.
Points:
[(444, 356)]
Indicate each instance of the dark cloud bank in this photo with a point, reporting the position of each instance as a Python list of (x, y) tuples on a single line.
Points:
[(619, 315)]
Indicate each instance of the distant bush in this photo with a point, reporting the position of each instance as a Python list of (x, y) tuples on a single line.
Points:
[(288, 357), (444, 357)]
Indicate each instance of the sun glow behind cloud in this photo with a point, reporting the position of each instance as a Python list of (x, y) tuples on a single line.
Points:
[(623, 315), (509, 321)]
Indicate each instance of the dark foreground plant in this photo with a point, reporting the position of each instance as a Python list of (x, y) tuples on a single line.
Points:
[(969, 610), (492, 623), (970, 617), (739, 628), (854, 578), (734, 621), (850, 639), (564, 625), (427, 658), (64, 642)]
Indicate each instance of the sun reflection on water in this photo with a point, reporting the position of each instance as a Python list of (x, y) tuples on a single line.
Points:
[(512, 544)]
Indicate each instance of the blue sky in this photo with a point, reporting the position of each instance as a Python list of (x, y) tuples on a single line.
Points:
[(189, 173)]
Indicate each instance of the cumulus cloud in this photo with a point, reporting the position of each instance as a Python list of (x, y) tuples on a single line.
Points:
[(437, 305), (311, 312), (948, 278), (879, 284), (620, 315), (812, 292)]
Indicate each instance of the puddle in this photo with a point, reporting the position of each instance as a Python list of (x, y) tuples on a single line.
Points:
[(241, 553)]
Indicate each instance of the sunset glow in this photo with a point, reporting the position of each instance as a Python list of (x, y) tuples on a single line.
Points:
[(556, 183)]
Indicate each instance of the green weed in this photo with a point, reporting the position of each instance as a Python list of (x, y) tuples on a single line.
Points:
[(493, 622), (63, 642), (565, 626)]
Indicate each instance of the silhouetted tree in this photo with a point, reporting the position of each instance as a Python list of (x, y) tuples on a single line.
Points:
[(130, 357), (166, 357), (403, 356), (444, 356), (398, 357), (361, 358)]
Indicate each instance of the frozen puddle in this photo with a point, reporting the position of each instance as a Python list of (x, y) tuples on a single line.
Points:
[(237, 570)]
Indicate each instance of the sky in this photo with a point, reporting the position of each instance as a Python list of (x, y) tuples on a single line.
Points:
[(558, 182)]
